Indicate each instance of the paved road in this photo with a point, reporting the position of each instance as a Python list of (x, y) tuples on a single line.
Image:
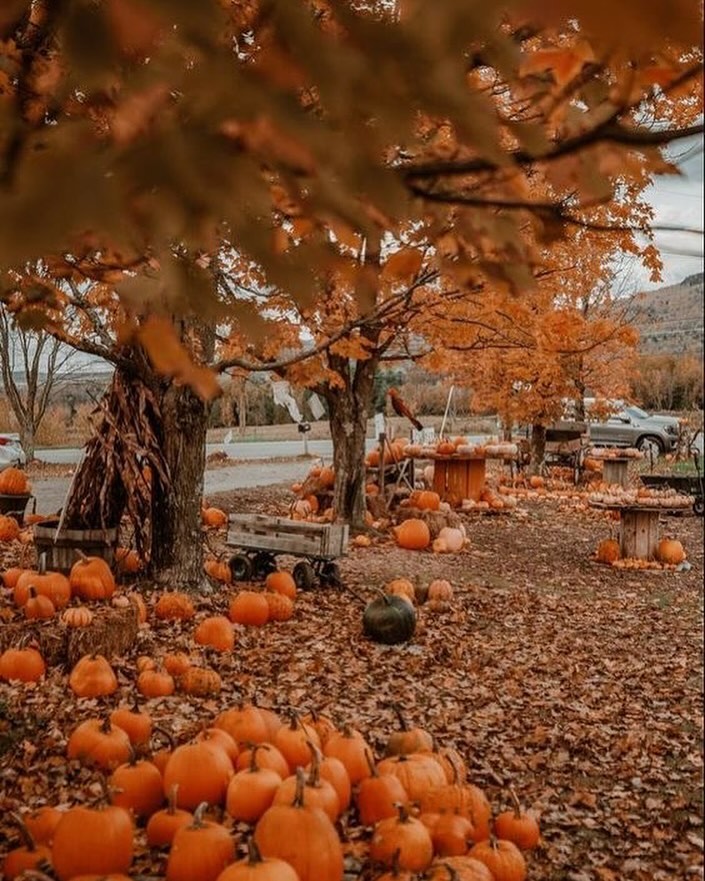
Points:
[(247, 450), (51, 492)]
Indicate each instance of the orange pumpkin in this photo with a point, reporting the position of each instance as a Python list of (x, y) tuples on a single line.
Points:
[(217, 632), (218, 570), (93, 677), (13, 482), (428, 501), (214, 518), (413, 534), (249, 608), (9, 529), (174, 606), (281, 582), (91, 579), (22, 665), (670, 551), (608, 550), (281, 608)]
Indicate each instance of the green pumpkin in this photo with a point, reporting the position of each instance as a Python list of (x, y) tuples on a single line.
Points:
[(389, 619)]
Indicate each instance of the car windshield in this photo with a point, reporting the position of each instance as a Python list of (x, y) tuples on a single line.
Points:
[(636, 412)]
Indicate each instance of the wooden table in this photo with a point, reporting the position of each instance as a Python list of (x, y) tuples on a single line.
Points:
[(638, 529), (459, 477)]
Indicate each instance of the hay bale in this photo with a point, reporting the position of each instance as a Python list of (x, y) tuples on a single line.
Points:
[(435, 520), (112, 632)]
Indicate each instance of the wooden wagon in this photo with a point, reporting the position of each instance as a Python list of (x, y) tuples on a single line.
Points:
[(260, 538)]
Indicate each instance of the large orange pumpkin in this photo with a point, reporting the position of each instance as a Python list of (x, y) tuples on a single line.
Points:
[(413, 535), (670, 551), (281, 582), (13, 482)]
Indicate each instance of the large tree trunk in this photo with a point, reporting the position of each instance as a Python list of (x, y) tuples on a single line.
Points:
[(538, 447), (348, 408), (177, 542)]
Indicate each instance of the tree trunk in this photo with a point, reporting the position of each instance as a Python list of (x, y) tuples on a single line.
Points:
[(27, 439), (538, 447), (348, 408), (177, 541)]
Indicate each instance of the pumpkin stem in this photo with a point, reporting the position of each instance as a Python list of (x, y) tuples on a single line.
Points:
[(515, 802), (25, 834), (398, 713), (106, 725), (370, 764), (314, 776), (294, 721), (171, 799), (81, 556), (253, 756), (198, 822), (42, 567), (300, 785), (254, 857), (404, 815)]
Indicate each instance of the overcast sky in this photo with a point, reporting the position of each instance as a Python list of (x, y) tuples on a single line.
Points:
[(678, 201)]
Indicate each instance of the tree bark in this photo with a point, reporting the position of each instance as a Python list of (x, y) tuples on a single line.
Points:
[(27, 439), (349, 408), (538, 447), (177, 541)]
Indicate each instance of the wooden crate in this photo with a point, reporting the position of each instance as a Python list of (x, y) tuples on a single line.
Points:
[(61, 548), (259, 532)]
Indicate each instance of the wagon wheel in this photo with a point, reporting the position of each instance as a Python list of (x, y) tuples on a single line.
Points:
[(240, 567), (699, 507), (330, 575), (304, 575), (263, 563)]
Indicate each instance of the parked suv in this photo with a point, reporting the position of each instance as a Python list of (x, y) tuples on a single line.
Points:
[(633, 427), (11, 452)]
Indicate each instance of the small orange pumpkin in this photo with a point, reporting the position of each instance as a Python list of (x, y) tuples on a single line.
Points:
[(670, 551), (413, 534), (214, 518), (217, 632)]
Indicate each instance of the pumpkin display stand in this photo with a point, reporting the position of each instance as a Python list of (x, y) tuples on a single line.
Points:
[(639, 525), (15, 505), (60, 547), (111, 632), (435, 520)]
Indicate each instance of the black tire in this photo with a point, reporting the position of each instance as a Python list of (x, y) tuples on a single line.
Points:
[(648, 441), (263, 564), (699, 507), (304, 576), (330, 575), (240, 567)]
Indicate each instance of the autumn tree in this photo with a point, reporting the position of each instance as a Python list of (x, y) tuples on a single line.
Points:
[(32, 365), (139, 131)]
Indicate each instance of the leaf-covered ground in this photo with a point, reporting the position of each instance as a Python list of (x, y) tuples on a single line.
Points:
[(578, 685)]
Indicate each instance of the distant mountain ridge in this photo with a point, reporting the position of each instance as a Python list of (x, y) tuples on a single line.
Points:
[(670, 319)]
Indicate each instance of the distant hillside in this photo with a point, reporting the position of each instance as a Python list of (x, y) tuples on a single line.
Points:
[(670, 319)]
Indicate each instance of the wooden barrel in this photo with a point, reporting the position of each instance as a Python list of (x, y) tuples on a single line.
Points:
[(61, 549), (14, 504)]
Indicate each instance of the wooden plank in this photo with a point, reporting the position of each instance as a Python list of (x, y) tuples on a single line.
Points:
[(282, 544), (456, 482), (440, 474), (282, 523), (615, 471), (639, 534), (475, 479)]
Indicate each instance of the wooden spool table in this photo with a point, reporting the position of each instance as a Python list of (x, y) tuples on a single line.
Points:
[(638, 528), (615, 471), (461, 475)]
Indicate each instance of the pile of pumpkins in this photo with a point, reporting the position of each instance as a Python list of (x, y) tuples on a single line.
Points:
[(644, 497), (460, 446), (391, 617), (274, 791), (414, 535), (669, 555), (41, 593)]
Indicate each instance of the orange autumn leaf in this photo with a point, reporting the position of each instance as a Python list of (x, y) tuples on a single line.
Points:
[(402, 265), (169, 356)]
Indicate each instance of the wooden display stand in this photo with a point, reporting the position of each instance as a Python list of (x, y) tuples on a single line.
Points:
[(638, 529), (459, 478), (615, 471)]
